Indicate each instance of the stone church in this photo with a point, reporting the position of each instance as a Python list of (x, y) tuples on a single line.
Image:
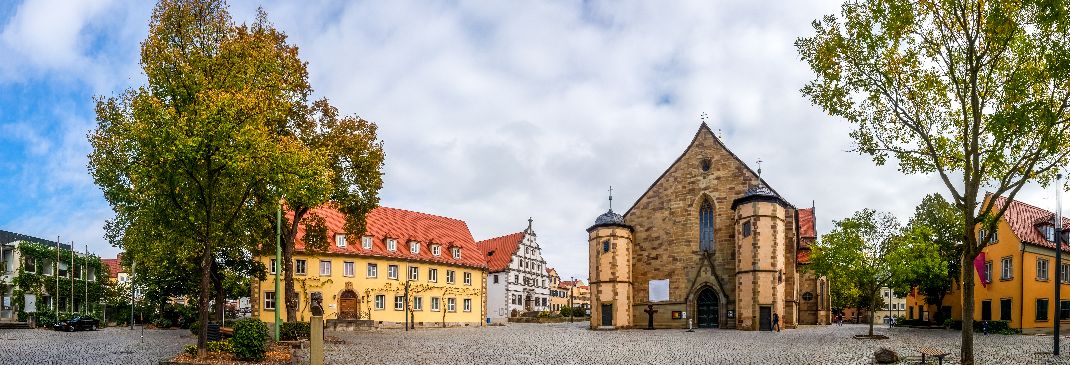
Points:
[(708, 243)]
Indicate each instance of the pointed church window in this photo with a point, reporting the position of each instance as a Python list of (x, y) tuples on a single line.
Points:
[(705, 215)]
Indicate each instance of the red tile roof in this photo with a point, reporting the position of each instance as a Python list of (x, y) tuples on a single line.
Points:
[(403, 226), (1023, 219), (807, 223), (499, 251), (114, 268), (803, 256)]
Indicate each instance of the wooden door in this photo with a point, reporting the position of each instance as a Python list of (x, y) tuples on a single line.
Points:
[(347, 305)]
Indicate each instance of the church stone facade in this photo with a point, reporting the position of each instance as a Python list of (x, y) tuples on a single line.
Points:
[(725, 245)]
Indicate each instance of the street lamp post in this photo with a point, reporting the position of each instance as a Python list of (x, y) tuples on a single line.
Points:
[(1058, 258), (571, 304), (278, 268)]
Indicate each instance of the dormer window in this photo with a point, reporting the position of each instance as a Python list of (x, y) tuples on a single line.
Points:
[(340, 240), (414, 247), (436, 250), (1048, 231), (366, 242), (392, 244), (456, 252)]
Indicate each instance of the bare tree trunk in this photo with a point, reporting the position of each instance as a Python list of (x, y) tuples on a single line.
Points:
[(967, 306), (872, 305), (202, 302)]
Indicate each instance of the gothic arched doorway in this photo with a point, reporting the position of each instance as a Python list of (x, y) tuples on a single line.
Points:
[(347, 305), (708, 309)]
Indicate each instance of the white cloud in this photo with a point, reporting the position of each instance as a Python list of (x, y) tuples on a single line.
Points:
[(496, 111)]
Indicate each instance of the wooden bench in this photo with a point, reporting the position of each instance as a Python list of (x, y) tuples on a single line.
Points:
[(929, 351)]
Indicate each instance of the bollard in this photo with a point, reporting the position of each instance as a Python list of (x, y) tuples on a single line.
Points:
[(315, 349)]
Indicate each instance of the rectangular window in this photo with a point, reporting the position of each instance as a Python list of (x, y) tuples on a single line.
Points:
[(373, 270), (414, 247), (380, 302), (300, 267), (1042, 310), (1064, 273), (467, 278), (605, 246), (1005, 309), (495, 278), (29, 264), (451, 304), (366, 242), (1064, 310), (435, 302), (340, 240), (417, 303), (1007, 268), (269, 300), (325, 268), (456, 252), (988, 271), (347, 268), (414, 273), (1042, 269), (392, 272), (432, 275), (78, 271), (399, 303), (272, 267), (450, 277), (392, 244), (436, 250), (467, 305)]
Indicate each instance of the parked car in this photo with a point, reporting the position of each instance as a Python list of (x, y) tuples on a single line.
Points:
[(77, 323)]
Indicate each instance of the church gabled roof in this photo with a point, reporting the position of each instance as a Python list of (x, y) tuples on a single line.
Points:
[(704, 128), (499, 251)]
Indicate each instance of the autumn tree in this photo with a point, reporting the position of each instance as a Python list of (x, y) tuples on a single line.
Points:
[(870, 251), (194, 160), (354, 156), (974, 92)]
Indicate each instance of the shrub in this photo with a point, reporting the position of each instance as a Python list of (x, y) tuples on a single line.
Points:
[(194, 327), (250, 339), (162, 323), (191, 350), (221, 346), (293, 331)]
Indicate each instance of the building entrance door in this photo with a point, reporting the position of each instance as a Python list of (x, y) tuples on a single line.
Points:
[(708, 309), (765, 318), (607, 315), (347, 305)]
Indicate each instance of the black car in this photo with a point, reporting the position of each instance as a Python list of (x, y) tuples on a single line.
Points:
[(77, 323)]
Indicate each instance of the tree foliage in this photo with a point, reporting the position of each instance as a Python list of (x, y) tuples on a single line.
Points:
[(976, 92), (194, 162), (867, 252), (937, 221)]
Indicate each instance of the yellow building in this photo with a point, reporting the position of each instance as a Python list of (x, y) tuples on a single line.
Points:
[(1017, 284), (364, 277)]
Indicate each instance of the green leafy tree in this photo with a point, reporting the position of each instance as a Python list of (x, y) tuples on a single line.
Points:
[(354, 156), (193, 162), (937, 221), (975, 92), (867, 252)]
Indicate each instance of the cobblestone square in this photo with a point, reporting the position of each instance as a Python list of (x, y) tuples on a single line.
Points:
[(114, 345), (574, 344)]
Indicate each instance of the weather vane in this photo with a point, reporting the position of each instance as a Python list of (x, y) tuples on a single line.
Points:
[(759, 168), (611, 197), (704, 117)]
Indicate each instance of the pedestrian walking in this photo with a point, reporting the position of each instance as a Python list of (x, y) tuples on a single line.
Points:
[(776, 321), (984, 328)]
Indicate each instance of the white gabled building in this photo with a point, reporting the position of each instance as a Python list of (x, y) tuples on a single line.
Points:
[(517, 279)]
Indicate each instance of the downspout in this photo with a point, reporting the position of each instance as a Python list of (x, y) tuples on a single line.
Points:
[(1021, 287)]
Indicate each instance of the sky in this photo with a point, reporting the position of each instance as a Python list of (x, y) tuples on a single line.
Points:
[(490, 111)]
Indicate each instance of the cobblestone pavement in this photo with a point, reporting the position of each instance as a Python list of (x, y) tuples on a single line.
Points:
[(116, 345), (574, 344)]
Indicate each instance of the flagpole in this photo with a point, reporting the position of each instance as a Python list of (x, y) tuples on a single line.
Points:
[(1058, 259), (55, 272), (71, 271), (86, 273)]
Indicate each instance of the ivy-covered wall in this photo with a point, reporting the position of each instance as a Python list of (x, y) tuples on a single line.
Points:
[(39, 282)]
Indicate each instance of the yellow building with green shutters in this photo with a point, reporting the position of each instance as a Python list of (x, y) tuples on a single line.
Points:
[(407, 262)]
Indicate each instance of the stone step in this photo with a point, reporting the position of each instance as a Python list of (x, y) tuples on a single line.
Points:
[(14, 325)]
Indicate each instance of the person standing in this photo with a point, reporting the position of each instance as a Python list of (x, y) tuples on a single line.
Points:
[(776, 321)]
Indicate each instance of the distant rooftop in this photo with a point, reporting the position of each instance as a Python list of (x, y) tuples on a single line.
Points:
[(7, 237)]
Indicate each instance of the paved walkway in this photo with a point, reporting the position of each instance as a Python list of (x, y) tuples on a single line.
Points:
[(574, 344), (119, 346)]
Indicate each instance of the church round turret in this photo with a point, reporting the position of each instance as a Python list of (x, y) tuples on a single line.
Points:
[(759, 193), (609, 217)]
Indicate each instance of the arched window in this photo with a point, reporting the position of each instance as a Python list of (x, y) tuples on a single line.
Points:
[(705, 223)]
